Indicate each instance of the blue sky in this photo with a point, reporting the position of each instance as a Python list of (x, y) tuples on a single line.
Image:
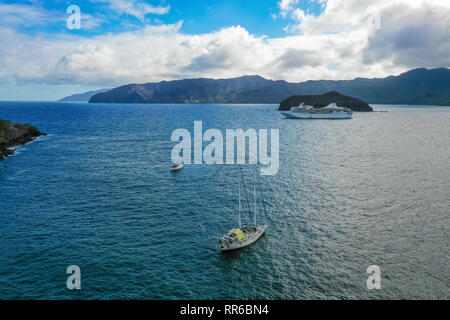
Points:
[(138, 41), (257, 16)]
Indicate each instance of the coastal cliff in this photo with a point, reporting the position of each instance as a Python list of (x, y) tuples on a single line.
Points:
[(15, 134), (320, 101)]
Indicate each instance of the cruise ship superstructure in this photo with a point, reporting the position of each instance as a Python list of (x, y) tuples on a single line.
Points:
[(332, 111)]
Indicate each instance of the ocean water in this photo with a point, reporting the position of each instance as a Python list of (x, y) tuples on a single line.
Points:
[(97, 193)]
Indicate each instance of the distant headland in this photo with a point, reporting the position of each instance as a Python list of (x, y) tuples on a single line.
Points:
[(417, 87), (82, 97), (15, 134), (320, 101)]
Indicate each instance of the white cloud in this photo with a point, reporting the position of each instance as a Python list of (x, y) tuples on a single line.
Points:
[(411, 35), (136, 8), (25, 15), (286, 6), (335, 45), (162, 52)]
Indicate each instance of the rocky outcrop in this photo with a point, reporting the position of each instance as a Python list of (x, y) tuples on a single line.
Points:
[(320, 101), (15, 134)]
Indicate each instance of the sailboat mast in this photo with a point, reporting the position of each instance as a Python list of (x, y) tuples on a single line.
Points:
[(239, 205), (254, 202), (262, 195), (245, 189)]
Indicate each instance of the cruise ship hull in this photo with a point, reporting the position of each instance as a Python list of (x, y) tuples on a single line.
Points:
[(302, 115)]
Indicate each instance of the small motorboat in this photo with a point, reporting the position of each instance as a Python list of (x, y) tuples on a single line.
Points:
[(176, 166)]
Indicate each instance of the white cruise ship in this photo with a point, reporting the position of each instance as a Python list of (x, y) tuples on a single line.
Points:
[(332, 111)]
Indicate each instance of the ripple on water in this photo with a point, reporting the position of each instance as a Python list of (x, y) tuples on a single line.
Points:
[(97, 192)]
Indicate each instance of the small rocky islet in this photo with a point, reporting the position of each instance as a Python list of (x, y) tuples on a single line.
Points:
[(15, 134), (321, 101)]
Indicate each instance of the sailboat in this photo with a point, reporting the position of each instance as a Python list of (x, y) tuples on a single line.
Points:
[(244, 236)]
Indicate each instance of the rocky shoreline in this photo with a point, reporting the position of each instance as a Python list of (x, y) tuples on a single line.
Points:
[(15, 134)]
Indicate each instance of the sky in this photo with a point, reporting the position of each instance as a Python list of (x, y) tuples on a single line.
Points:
[(45, 55)]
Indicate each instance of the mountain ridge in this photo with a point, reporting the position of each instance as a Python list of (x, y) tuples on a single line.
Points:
[(416, 86)]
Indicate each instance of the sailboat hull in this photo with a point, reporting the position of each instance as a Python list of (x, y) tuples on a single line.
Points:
[(260, 230)]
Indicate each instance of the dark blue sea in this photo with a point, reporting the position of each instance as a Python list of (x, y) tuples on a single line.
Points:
[(97, 192)]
